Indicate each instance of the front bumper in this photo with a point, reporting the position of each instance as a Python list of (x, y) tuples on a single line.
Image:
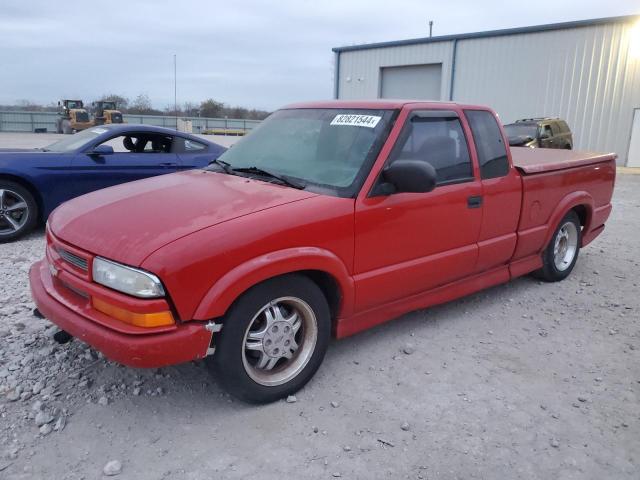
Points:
[(189, 341)]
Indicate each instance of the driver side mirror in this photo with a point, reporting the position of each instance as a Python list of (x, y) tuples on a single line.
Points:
[(408, 176), (102, 150)]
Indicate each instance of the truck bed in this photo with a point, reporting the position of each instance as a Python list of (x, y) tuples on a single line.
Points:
[(541, 160)]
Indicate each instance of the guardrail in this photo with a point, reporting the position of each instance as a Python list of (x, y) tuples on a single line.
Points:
[(12, 121)]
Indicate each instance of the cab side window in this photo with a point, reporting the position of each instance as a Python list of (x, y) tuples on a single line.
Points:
[(440, 141), (492, 153), (545, 131)]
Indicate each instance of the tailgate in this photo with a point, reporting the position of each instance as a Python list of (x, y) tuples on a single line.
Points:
[(540, 160)]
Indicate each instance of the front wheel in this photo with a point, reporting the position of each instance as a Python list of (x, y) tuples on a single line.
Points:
[(18, 211), (560, 256), (273, 340)]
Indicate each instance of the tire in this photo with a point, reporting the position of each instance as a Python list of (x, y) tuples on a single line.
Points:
[(66, 127), (18, 211), (558, 264), (256, 371)]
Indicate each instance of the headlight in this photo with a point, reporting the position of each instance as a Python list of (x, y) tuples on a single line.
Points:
[(126, 279)]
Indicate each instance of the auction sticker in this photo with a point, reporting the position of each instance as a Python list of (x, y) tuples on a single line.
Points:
[(345, 119)]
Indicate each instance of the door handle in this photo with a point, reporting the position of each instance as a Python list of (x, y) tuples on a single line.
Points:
[(474, 201), (168, 164)]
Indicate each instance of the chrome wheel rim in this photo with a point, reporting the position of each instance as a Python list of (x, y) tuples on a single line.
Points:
[(14, 212), (279, 341), (565, 246)]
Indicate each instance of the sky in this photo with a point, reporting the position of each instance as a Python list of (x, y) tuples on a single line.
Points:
[(251, 53)]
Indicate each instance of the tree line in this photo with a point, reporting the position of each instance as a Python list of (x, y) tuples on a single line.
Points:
[(142, 105)]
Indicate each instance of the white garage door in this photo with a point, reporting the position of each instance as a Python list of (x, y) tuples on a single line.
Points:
[(415, 82)]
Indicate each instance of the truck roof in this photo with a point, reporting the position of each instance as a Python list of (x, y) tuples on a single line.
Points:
[(382, 104)]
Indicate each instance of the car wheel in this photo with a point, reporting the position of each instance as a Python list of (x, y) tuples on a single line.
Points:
[(66, 127), (273, 340), (561, 254), (18, 211)]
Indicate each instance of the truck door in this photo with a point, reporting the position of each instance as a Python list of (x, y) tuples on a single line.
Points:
[(501, 191), (407, 243)]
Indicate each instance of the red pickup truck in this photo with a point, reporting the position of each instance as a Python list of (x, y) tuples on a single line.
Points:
[(328, 219)]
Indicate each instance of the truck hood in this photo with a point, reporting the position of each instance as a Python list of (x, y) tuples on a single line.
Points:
[(128, 222)]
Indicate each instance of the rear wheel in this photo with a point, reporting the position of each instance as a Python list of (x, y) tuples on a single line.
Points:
[(18, 211), (561, 254), (273, 340)]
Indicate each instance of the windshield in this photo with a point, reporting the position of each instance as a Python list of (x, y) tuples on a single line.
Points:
[(522, 130), (74, 142), (327, 150)]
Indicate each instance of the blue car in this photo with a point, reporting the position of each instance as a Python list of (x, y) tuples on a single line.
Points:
[(34, 182)]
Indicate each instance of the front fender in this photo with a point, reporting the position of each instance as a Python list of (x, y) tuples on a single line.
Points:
[(230, 286)]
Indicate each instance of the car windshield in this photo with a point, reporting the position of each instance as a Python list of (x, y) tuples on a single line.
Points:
[(522, 130), (72, 143), (326, 150)]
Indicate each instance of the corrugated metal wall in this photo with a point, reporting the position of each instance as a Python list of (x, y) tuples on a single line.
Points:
[(28, 121), (360, 70), (583, 74)]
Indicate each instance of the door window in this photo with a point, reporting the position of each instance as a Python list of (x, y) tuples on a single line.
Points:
[(439, 141), (492, 153), (141, 143)]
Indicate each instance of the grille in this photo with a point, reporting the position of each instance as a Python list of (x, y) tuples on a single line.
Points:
[(73, 259), (82, 117)]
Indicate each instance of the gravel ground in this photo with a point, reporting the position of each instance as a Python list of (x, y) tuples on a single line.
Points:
[(525, 380)]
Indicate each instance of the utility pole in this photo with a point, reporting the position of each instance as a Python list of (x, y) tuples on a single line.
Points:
[(430, 28), (175, 89)]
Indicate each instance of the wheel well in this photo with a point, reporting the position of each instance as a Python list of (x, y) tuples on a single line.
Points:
[(28, 186), (325, 281), (329, 287), (581, 210)]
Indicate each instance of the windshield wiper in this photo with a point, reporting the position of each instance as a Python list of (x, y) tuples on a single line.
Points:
[(259, 171), (225, 165)]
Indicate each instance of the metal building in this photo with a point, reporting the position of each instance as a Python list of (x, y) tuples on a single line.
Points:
[(587, 72)]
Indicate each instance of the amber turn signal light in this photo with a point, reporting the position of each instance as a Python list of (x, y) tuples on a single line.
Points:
[(156, 319)]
